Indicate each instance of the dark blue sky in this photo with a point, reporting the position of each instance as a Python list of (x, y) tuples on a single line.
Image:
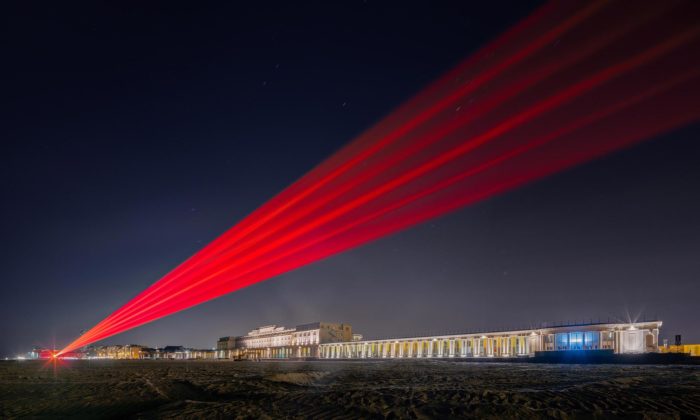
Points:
[(134, 133)]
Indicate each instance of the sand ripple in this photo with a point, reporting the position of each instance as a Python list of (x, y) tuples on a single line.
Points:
[(402, 389)]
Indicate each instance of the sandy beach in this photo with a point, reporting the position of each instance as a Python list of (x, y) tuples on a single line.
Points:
[(405, 389)]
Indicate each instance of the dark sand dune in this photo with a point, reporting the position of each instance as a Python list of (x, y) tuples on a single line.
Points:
[(403, 389)]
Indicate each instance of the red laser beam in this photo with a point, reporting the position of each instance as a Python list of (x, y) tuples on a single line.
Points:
[(384, 141), (553, 92), (503, 157), (541, 41)]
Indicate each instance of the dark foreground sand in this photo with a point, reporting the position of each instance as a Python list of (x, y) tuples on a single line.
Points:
[(440, 389)]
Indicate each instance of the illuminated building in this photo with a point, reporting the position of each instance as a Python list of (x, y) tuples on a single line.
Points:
[(691, 349), (276, 342), (136, 352), (621, 338), (183, 353), (224, 347), (117, 351), (202, 354)]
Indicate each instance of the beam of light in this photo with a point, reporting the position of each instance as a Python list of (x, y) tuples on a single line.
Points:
[(162, 311), (552, 93), (406, 125), (541, 73), (408, 119), (542, 106), (471, 171)]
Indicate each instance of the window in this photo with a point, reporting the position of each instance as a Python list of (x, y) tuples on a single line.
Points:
[(591, 340), (608, 340), (576, 341), (549, 342), (562, 341)]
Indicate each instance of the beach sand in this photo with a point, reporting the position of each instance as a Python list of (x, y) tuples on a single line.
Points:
[(392, 389)]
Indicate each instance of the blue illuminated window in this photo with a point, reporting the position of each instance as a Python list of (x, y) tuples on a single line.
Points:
[(562, 341), (576, 341), (592, 340)]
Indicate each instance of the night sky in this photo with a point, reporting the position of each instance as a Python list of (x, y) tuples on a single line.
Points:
[(133, 134)]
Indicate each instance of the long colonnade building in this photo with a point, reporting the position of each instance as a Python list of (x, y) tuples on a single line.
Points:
[(621, 338)]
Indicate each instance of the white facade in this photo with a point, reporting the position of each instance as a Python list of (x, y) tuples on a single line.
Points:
[(640, 337), (632, 341), (306, 338), (268, 336), (275, 342)]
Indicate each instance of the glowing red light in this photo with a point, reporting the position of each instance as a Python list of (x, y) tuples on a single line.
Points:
[(570, 83)]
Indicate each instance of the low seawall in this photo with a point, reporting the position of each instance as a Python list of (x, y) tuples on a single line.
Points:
[(607, 356)]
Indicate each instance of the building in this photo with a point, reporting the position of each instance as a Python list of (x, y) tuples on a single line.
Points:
[(224, 347), (172, 353), (622, 338), (277, 342), (136, 352), (202, 354), (691, 349), (128, 352)]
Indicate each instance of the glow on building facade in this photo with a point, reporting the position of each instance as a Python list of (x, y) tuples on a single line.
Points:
[(621, 338), (276, 342)]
